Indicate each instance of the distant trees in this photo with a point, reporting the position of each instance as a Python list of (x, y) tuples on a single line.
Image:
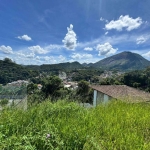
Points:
[(84, 92), (10, 71), (83, 88), (86, 75), (31, 88), (51, 86), (138, 79)]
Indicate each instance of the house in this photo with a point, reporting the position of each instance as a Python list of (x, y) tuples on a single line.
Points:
[(104, 93), (39, 86), (70, 85)]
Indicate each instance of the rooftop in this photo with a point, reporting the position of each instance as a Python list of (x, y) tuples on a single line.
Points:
[(123, 92)]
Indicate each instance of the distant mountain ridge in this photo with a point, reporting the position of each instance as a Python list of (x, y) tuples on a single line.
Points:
[(60, 66), (123, 61)]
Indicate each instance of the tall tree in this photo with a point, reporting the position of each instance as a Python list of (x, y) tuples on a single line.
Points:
[(51, 85)]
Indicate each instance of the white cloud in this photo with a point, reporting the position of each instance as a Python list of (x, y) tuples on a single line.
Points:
[(61, 58), (24, 37), (21, 54), (141, 40), (105, 49), (31, 55), (106, 33), (102, 19), (53, 47), (6, 49), (88, 48), (124, 22), (70, 40), (146, 54), (37, 49), (50, 60), (37, 57), (81, 56)]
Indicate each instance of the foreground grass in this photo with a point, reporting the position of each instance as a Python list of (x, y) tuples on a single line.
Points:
[(67, 126)]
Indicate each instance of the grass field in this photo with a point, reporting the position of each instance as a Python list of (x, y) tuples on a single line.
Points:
[(67, 126)]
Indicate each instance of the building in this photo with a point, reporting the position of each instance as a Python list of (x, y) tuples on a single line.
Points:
[(39, 86), (104, 93), (71, 85)]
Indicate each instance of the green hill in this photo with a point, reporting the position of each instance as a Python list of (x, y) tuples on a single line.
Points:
[(10, 71), (123, 61), (56, 67)]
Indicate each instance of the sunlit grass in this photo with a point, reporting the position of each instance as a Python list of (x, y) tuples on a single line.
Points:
[(64, 125)]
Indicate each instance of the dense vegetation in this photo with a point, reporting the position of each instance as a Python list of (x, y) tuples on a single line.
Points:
[(56, 67), (10, 71), (138, 79), (65, 125), (53, 89), (88, 74)]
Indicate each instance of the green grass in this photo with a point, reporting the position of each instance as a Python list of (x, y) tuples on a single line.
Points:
[(115, 126)]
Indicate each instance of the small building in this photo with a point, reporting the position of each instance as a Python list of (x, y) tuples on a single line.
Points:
[(104, 93), (39, 86), (71, 85)]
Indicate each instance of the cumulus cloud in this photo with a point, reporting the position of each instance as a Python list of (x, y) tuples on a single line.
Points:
[(24, 37), (21, 54), (146, 54), (81, 56), (88, 48), (54, 47), (124, 22), (105, 49), (50, 59), (6, 49), (141, 40), (102, 19), (37, 57), (61, 58), (37, 49), (31, 55), (70, 40)]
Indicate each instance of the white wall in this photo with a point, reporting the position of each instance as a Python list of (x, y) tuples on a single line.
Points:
[(100, 98)]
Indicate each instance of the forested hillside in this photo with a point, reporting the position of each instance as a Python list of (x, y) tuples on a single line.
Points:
[(138, 79), (56, 67), (10, 71), (125, 61)]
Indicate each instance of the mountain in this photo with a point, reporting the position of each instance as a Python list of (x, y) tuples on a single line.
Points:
[(87, 65), (56, 67), (126, 61)]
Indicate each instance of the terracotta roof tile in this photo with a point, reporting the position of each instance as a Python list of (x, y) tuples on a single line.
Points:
[(123, 92)]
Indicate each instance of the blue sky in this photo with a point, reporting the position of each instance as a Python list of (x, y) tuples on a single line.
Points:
[(47, 32)]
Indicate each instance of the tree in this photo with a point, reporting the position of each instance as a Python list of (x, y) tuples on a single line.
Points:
[(51, 85), (31, 88), (83, 88), (83, 91)]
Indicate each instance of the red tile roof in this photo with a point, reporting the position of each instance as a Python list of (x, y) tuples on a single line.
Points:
[(123, 92)]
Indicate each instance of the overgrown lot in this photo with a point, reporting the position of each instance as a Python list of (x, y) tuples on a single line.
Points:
[(67, 126)]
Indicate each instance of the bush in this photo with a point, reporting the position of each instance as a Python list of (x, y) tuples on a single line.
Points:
[(4, 102)]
